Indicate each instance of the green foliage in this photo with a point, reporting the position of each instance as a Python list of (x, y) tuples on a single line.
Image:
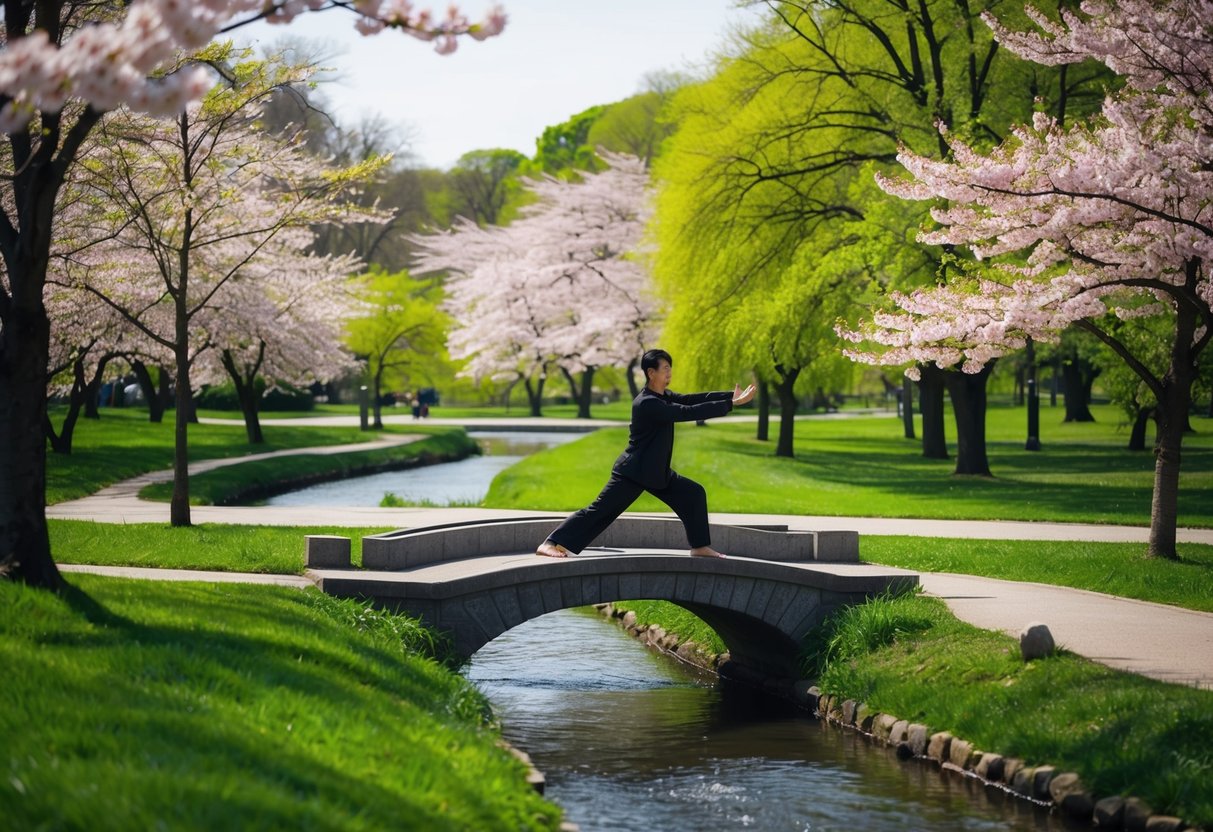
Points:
[(401, 332), (856, 631), (563, 146), (1124, 734), (767, 194), (484, 186), (145, 704)]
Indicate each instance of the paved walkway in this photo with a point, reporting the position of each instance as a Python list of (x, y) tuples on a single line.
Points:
[(1156, 640)]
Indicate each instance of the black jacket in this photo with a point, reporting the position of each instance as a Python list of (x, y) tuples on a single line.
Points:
[(651, 441)]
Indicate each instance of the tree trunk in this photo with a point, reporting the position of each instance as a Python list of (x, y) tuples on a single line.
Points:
[(91, 404), (1078, 390), (25, 549), (582, 392), (968, 394), (376, 396), (154, 397), (1033, 440), (1053, 380), (786, 390), (587, 393), (83, 391), (534, 394), (764, 412), (179, 507), (633, 387), (246, 393), (1137, 437), (164, 396), (1171, 415), (930, 403), (1020, 393), (907, 406)]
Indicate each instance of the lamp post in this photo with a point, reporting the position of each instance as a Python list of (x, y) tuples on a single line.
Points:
[(362, 408)]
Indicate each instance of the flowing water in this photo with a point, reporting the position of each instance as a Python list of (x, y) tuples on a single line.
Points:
[(632, 740), (452, 483)]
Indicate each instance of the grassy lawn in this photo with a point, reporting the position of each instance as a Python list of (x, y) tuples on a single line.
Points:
[(144, 705), (1124, 734), (261, 478), (123, 444), (1113, 568), (213, 546), (863, 466)]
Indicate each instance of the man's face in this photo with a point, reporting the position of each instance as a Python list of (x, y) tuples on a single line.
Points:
[(659, 379)]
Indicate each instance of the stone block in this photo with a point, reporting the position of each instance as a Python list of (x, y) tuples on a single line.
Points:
[(1021, 783), (326, 551), (882, 727), (823, 704), (1110, 813), (917, 736), (508, 606), (939, 746), (900, 732), (1041, 778), (722, 591), (1068, 792), (848, 711), (1010, 767), (836, 546), (1137, 812), (1036, 641), (742, 588), (960, 754), (990, 767), (865, 718), (1165, 823), (531, 599)]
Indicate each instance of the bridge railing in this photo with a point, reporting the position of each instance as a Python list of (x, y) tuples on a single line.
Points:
[(410, 548)]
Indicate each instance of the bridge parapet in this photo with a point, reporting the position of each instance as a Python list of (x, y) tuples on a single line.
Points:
[(410, 548)]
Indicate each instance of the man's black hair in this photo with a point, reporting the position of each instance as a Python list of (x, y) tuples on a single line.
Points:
[(652, 358)]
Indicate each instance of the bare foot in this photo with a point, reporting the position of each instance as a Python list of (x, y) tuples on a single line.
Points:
[(705, 552), (548, 549)]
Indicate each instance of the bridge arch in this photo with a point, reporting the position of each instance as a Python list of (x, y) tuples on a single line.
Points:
[(761, 607)]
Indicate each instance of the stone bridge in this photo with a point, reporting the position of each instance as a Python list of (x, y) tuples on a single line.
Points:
[(477, 580)]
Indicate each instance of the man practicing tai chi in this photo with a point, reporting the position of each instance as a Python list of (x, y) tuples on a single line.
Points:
[(645, 464)]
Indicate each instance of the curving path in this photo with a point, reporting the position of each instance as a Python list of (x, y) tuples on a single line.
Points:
[(1155, 640)]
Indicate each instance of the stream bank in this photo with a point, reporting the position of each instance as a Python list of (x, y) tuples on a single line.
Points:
[(1063, 792)]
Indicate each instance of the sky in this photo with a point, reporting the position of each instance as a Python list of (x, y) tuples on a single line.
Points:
[(554, 59)]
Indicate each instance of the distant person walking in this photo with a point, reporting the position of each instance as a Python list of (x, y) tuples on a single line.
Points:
[(645, 464)]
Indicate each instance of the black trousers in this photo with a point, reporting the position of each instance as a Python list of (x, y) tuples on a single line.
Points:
[(686, 497)]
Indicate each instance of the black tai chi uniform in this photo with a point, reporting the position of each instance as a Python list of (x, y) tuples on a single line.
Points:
[(645, 466)]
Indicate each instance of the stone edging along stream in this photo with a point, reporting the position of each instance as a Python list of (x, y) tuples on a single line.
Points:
[(1041, 784)]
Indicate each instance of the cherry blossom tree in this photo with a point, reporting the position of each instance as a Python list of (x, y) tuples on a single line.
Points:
[(279, 323), (63, 65), (1110, 214), (190, 211), (563, 286)]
